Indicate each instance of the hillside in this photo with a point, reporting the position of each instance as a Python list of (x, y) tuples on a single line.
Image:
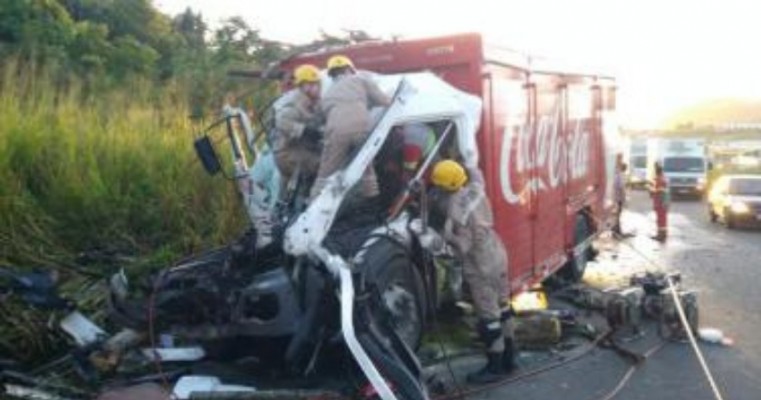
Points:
[(717, 112)]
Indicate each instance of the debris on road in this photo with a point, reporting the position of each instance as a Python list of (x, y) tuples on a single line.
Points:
[(715, 336), (544, 325), (538, 330), (187, 386)]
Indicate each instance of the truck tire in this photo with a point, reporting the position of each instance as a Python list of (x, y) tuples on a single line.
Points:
[(402, 382), (389, 267), (573, 270)]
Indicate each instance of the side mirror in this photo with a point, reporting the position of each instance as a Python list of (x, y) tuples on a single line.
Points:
[(207, 155)]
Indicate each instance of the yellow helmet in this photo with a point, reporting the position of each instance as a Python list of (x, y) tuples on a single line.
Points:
[(339, 62), (449, 175), (306, 73)]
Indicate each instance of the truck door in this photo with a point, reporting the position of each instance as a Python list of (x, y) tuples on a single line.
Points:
[(548, 153), (508, 122)]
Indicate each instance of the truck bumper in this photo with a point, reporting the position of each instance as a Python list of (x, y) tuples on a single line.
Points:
[(696, 191)]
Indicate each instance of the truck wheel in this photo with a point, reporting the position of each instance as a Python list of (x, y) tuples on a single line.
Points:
[(389, 267), (573, 270), (402, 382)]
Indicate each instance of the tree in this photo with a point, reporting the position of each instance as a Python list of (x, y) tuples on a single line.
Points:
[(37, 28), (192, 28)]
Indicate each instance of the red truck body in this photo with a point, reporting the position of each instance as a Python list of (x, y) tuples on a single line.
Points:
[(545, 143)]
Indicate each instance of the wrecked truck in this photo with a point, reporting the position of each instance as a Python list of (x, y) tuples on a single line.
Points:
[(346, 280), (545, 139)]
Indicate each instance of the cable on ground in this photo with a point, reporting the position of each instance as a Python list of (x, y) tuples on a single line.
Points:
[(680, 310)]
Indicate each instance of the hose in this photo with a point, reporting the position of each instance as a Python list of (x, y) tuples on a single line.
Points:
[(512, 379)]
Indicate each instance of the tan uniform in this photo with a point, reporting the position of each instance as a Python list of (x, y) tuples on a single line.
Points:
[(469, 229), (346, 106), (290, 148)]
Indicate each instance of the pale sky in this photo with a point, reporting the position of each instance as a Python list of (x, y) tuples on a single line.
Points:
[(666, 54)]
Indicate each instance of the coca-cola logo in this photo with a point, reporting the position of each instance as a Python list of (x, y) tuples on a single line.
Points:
[(541, 157)]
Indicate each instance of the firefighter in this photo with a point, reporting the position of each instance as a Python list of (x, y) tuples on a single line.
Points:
[(469, 232), (296, 144), (659, 191), (346, 105)]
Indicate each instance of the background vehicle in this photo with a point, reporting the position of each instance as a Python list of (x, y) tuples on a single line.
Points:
[(635, 155), (684, 162), (736, 200)]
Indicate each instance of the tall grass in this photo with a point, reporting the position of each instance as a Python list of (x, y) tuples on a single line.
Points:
[(116, 172)]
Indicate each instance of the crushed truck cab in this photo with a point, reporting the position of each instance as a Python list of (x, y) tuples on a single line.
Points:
[(544, 135), (418, 98)]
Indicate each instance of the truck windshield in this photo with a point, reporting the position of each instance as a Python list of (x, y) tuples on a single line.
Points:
[(639, 162), (747, 187), (683, 164)]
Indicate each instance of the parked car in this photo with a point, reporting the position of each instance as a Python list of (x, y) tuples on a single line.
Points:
[(735, 200)]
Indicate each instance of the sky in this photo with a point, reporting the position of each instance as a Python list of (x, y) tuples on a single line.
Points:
[(666, 54)]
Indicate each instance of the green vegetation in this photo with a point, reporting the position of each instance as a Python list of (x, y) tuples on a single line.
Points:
[(99, 101), (112, 173), (116, 174), (95, 139)]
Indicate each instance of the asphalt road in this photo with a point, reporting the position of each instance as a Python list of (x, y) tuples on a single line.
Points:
[(723, 265)]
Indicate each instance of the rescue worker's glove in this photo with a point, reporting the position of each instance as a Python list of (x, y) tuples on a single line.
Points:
[(428, 238)]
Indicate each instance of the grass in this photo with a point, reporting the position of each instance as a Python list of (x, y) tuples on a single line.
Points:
[(114, 172)]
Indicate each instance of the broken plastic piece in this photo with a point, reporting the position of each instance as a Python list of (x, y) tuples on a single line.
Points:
[(187, 385), (81, 329), (22, 392), (713, 335), (175, 354)]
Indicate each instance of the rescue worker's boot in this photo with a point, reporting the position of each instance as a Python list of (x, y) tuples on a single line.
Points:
[(508, 356), (660, 236), (491, 335), (508, 333), (491, 372)]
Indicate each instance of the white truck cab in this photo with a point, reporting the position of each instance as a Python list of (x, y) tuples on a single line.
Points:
[(684, 163)]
